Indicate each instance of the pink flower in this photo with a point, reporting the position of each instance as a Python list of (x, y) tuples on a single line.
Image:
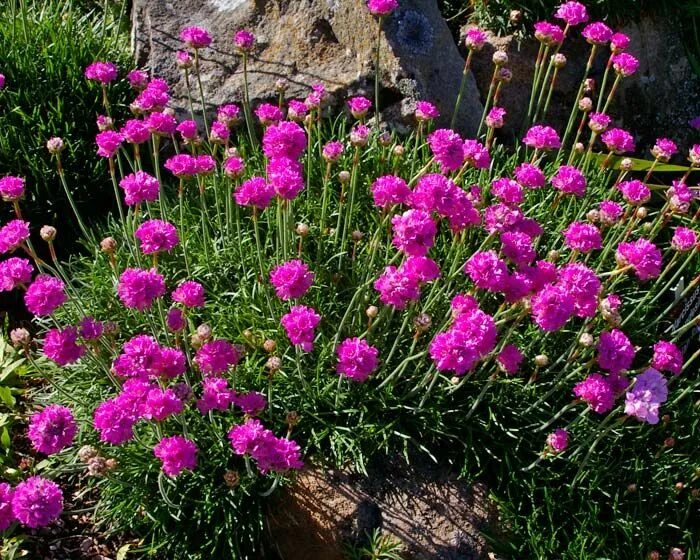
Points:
[(664, 149), (667, 357), (108, 142), (552, 307), (332, 151), (182, 165), (161, 404), (642, 255), (291, 279), (619, 42), (463, 303), (162, 124), (6, 515), (508, 191), (610, 212), (558, 440), (270, 453), (175, 320), (389, 190), (517, 247), (244, 40), (141, 358), (583, 286), (252, 403), (52, 429), (269, 114), (12, 235), (102, 72), (195, 37), (582, 236), (176, 454), (216, 395), (284, 140), (37, 502), (413, 232), (382, 7), (648, 393), (114, 422), (233, 167), (679, 197), (356, 359), (596, 392), (569, 180), (216, 357), (156, 236), (510, 358), (296, 110), (156, 95), (476, 154), (420, 269), (15, 272), (634, 192), (487, 271), (45, 295), (495, 117), (471, 337), (597, 33), (542, 137), (447, 147), (396, 288), (359, 135), (254, 192), (684, 239), (138, 79), (625, 64), (299, 324), (188, 130), (139, 187), (172, 362), (548, 33), (615, 351), (572, 13), (475, 39), (598, 122), (530, 176), (11, 188), (285, 176), (138, 288), (189, 293), (359, 106), (426, 111), (135, 131), (61, 346), (228, 114)]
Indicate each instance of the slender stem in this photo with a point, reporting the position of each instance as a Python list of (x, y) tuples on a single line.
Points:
[(246, 104), (376, 70), (462, 85), (201, 91)]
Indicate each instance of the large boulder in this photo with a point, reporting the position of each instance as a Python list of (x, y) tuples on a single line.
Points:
[(309, 41)]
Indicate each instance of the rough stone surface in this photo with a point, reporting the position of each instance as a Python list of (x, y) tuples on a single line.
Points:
[(309, 41), (432, 515), (657, 101)]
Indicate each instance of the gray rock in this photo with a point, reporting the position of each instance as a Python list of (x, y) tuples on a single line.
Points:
[(309, 41)]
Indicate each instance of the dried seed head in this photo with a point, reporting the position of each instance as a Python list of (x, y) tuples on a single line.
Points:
[(586, 339), (232, 479), (357, 235), (515, 16), (500, 58), (97, 466), (585, 104), (108, 245), (626, 164), (273, 364), (269, 346), (196, 341), (20, 338), (399, 150), (86, 452)]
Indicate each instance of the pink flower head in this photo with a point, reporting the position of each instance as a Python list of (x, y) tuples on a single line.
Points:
[(648, 393), (615, 351), (517, 247), (684, 239), (495, 117), (160, 404), (138, 288), (172, 362), (552, 307), (216, 395), (216, 357), (286, 139), (139, 187), (558, 440), (332, 151), (463, 303), (413, 232), (189, 293), (447, 148), (510, 359), (356, 359), (299, 324), (582, 286), (16, 272), (569, 180), (154, 98), (61, 346), (182, 165), (598, 122), (359, 135), (487, 271), (251, 403), (296, 110), (244, 40), (90, 328), (6, 515), (291, 279), (573, 13), (175, 320), (530, 176), (471, 337), (476, 154), (233, 166), (597, 33), (501, 217), (382, 7), (664, 149), (625, 64), (420, 269), (270, 453), (619, 42), (176, 454), (610, 212), (359, 106), (156, 236), (634, 192), (2, 81), (475, 39), (254, 192), (138, 79), (52, 429), (114, 422), (37, 502), (548, 33), (596, 391), (205, 164), (101, 72), (195, 37), (268, 114), (228, 114), (11, 188), (426, 111), (12, 235), (389, 190), (285, 176), (162, 124), (642, 255), (542, 137), (135, 131), (679, 197), (582, 236), (188, 130), (695, 123), (396, 287), (667, 357), (45, 295), (108, 142), (141, 358), (508, 191)]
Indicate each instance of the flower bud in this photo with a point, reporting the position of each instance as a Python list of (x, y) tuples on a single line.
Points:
[(86, 452), (48, 233), (281, 85), (232, 478), (500, 58), (292, 418), (422, 322), (641, 213), (308, 119), (632, 488), (97, 466), (269, 346), (232, 152), (111, 464), (273, 364), (647, 227), (558, 60), (108, 245), (589, 85), (579, 148), (372, 311), (515, 16), (20, 338), (55, 145), (666, 418), (196, 341), (302, 230), (669, 442), (654, 555), (553, 255), (585, 104), (248, 334), (541, 360), (357, 235), (586, 339), (593, 216), (504, 75), (398, 150), (344, 176), (679, 486), (626, 164), (676, 554), (204, 332), (385, 138), (183, 392)]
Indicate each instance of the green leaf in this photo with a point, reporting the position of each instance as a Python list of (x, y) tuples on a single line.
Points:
[(643, 164), (6, 396), (123, 551), (5, 439)]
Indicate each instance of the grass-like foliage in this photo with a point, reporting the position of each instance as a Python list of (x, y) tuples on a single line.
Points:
[(464, 299)]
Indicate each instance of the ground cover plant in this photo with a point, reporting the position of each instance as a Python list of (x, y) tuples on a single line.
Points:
[(279, 287)]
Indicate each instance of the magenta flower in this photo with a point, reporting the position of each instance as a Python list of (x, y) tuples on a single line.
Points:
[(139, 187), (135, 131), (141, 358), (573, 13), (114, 422), (508, 191), (11, 188), (156, 236), (284, 140), (569, 180), (219, 133), (542, 137), (463, 303), (495, 117), (615, 351), (420, 269), (175, 320), (296, 110), (138, 288), (552, 307), (101, 72), (359, 135), (61, 346), (634, 192), (356, 359), (530, 176), (189, 293), (667, 357), (270, 452), (254, 192), (487, 271), (597, 33), (15, 272), (475, 39), (510, 358), (161, 124), (285, 176), (684, 239), (382, 7), (216, 395), (182, 165), (299, 324), (359, 106), (426, 111), (195, 37), (596, 391), (217, 356), (558, 440), (45, 295), (205, 164), (156, 95), (413, 232), (268, 114), (610, 212), (291, 279), (598, 122), (188, 130), (396, 287), (52, 429), (548, 33), (471, 337), (37, 502), (161, 404), (517, 247), (648, 393), (233, 166), (619, 42), (172, 362), (389, 190), (447, 148), (176, 454), (12, 235), (583, 286), (252, 403), (6, 515), (332, 151), (679, 197), (476, 154), (244, 40), (138, 79), (583, 237), (664, 149), (642, 255), (228, 114), (625, 64), (108, 142)]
